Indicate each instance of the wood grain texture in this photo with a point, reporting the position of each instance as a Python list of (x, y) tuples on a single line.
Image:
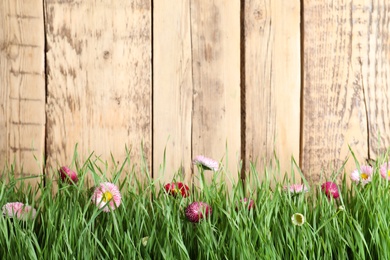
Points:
[(173, 89), (99, 79), (99, 82), (372, 21), (272, 82), (22, 86), (196, 83), (215, 35), (337, 40)]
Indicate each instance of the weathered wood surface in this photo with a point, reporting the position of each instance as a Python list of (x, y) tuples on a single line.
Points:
[(197, 80), (346, 92), (99, 79), (272, 82), (173, 88), (22, 86), (216, 77), (372, 23), (98, 88)]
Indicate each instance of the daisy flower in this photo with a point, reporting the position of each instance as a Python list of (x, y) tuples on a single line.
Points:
[(18, 210), (296, 188), (206, 163), (363, 176), (385, 171), (194, 212), (175, 188), (107, 196), (67, 175), (298, 219), (330, 189), (144, 240)]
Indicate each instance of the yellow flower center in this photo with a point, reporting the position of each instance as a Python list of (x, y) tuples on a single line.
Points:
[(299, 218), (364, 176), (107, 196), (388, 173)]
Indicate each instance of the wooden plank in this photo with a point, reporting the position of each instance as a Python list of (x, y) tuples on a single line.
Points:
[(173, 89), (215, 41), (336, 38), (22, 86), (99, 79), (196, 83), (272, 82), (375, 51)]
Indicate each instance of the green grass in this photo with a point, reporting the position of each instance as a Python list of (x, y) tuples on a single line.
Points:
[(69, 226)]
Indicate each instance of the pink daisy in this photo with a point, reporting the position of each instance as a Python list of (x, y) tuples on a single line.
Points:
[(19, 210), (206, 163), (363, 176), (67, 175), (107, 196), (385, 171), (330, 189), (198, 210), (296, 188)]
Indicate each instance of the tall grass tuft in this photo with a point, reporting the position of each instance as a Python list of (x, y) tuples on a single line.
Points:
[(151, 224)]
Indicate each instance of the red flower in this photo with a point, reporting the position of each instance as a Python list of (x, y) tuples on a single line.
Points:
[(175, 188), (197, 211), (330, 189), (67, 175)]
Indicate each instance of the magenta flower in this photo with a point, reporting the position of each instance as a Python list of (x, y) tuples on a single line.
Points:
[(363, 176), (206, 163), (197, 211), (385, 171), (67, 175), (296, 188), (19, 211), (107, 196), (330, 189), (245, 202)]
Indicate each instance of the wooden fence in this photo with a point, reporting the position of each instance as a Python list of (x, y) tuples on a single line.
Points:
[(304, 78)]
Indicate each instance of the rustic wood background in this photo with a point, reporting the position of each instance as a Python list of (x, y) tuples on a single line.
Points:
[(233, 80)]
